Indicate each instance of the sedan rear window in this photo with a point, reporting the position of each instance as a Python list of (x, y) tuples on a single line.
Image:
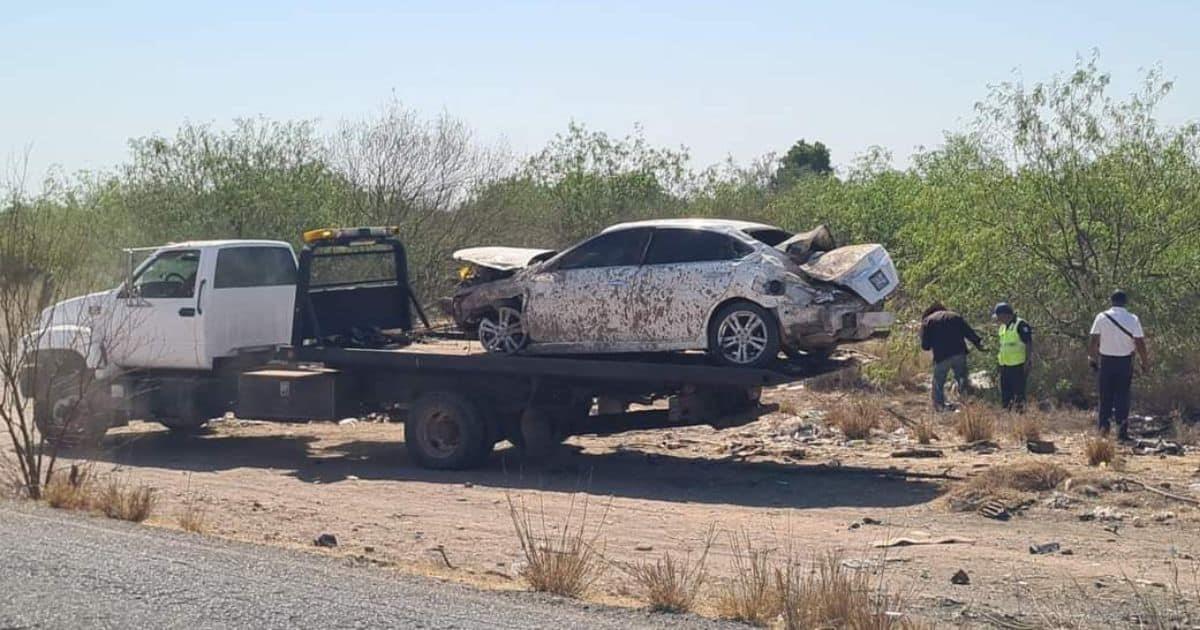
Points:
[(769, 236), (674, 245)]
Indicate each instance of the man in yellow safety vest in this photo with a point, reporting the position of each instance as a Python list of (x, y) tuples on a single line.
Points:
[(1014, 357)]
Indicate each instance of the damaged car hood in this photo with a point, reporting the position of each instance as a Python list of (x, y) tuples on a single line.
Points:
[(501, 258)]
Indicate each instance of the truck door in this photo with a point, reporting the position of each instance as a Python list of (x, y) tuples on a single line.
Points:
[(154, 321), (249, 302)]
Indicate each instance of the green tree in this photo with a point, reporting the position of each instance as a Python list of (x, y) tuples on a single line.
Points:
[(801, 160)]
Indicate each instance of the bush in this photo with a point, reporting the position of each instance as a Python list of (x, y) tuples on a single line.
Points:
[(856, 418), (670, 584), (976, 423), (829, 595), (1010, 482), (126, 502), (751, 594), (567, 563), (1100, 450)]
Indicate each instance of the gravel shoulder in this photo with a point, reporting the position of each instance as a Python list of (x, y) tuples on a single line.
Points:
[(63, 570)]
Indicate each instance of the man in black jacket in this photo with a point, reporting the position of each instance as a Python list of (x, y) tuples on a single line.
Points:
[(945, 333)]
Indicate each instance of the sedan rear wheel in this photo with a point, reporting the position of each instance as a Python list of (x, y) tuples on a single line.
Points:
[(503, 331), (744, 334)]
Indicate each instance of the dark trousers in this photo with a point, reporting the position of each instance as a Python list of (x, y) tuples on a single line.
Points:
[(1012, 386), (1114, 380)]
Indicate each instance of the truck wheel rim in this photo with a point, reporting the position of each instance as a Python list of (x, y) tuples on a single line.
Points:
[(504, 333), (742, 337), (441, 434)]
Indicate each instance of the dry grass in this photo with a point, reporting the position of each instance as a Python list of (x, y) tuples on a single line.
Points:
[(855, 418), (924, 431), (121, 500), (672, 585), (566, 563), (751, 594), (72, 491), (1010, 483), (193, 517), (1100, 450), (829, 595), (976, 423), (80, 490), (1026, 428)]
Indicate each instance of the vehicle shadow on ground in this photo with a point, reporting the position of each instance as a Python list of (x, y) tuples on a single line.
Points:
[(630, 473)]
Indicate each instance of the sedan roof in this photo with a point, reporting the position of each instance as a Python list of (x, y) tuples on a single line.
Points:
[(716, 225)]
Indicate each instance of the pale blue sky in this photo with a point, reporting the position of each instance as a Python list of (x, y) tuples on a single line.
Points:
[(78, 79)]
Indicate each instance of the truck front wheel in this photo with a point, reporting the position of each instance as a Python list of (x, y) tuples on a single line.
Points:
[(444, 431), (66, 407)]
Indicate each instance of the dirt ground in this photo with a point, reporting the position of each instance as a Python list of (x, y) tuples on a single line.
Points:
[(786, 480)]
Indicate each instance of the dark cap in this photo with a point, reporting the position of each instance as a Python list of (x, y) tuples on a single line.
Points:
[(1119, 298), (1003, 308)]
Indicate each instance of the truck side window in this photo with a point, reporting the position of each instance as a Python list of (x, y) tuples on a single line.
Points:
[(242, 267), (171, 274)]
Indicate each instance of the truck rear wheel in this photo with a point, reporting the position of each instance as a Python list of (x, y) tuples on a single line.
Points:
[(444, 431)]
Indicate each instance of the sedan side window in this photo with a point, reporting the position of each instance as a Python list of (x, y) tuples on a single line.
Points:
[(612, 249), (676, 245)]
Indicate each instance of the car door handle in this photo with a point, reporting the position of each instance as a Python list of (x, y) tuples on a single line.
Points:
[(187, 311)]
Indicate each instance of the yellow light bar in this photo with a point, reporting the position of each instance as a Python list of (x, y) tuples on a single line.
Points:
[(349, 234)]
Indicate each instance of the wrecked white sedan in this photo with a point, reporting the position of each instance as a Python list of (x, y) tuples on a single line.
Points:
[(741, 291)]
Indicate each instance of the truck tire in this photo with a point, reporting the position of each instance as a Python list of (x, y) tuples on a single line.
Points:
[(66, 409), (444, 431)]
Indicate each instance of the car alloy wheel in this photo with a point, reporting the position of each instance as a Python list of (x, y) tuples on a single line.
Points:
[(503, 331), (742, 337)]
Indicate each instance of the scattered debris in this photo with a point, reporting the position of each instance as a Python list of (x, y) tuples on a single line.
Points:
[(1162, 517), (918, 452), (1041, 447), (643, 547), (1066, 552), (910, 542), (347, 421), (326, 540), (866, 520), (980, 447), (1157, 447), (1044, 548), (1058, 501), (960, 578), (1149, 426), (995, 510), (441, 549), (1161, 493), (1103, 513)]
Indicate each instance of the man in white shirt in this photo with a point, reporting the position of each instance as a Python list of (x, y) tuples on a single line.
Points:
[(1116, 335)]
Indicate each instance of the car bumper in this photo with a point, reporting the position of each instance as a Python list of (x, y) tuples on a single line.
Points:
[(825, 327)]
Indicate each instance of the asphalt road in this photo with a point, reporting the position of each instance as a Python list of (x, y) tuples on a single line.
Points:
[(62, 570)]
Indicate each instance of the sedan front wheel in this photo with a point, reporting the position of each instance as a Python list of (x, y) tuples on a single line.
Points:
[(502, 331)]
